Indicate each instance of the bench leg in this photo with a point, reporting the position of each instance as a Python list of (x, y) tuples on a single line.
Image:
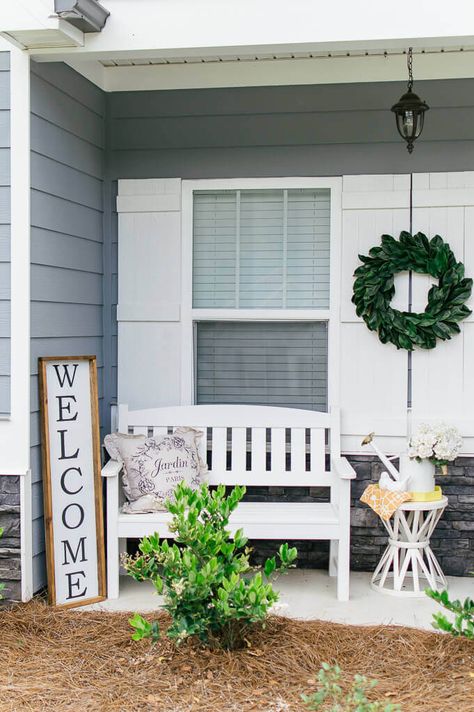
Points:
[(343, 568), (113, 563), (113, 567), (333, 556)]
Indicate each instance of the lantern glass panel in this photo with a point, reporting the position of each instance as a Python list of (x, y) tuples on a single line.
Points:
[(421, 121), (409, 124)]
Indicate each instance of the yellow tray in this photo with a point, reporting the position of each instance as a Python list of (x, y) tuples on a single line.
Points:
[(433, 496)]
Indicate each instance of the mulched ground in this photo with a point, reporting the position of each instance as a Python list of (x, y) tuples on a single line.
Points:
[(81, 661)]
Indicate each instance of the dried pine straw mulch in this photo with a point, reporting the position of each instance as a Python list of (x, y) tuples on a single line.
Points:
[(72, 660)]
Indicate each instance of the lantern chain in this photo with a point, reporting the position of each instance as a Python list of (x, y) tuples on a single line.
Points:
[(410, 68)]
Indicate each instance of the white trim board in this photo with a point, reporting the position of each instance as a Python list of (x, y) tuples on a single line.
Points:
[(15, 431), (189, 315)]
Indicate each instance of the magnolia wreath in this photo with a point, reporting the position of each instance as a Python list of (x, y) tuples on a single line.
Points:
[(374, 290)]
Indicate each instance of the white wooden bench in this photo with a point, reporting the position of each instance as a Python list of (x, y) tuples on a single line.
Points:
[(254, 446)]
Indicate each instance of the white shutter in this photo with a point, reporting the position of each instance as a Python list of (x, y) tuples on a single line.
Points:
[(149, 292)]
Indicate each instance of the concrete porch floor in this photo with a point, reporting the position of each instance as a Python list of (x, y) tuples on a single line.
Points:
[(311, 594)]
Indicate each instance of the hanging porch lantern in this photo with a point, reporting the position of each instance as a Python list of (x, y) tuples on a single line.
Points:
[(410, 110)]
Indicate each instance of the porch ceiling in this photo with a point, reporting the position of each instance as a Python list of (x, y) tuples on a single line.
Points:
[(228, 67)]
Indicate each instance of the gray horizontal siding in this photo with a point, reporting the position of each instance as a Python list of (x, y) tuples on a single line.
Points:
[(278, 131), (64, 147), (52, 102), (60, 250), (67, 164), (5, 285), (57, 214), (284, 129), (54, 178), (274, 161), (299, 99)]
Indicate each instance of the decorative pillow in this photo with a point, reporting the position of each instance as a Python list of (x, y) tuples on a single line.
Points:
[(152, 467)]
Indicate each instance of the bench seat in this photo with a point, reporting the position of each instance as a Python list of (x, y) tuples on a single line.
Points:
[(259, 520)]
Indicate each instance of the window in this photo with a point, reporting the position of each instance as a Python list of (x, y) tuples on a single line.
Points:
[(260, 300)]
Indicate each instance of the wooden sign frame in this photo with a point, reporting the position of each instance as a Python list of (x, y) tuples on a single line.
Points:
[(54, 483)]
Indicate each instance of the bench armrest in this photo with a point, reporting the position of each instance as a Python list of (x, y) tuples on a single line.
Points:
[(111, 469), (343, 468)]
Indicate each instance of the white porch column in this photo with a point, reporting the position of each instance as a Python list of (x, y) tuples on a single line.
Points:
[(15, 437)]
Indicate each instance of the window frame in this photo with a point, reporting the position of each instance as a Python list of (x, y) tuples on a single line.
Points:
[(191, 315)]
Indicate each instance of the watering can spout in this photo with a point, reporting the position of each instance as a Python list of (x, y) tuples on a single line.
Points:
[(368, 440)]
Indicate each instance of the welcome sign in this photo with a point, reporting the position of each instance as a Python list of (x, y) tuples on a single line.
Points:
[(71, 480)]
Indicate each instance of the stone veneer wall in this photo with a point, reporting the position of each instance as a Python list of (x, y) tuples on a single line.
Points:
[(453, 542), (10, 567)]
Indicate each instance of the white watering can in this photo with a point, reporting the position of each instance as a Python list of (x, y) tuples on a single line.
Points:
[(413, 476)]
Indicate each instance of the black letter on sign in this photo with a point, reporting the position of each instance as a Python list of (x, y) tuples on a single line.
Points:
[(75, 584), (66, 376), (63, 478), (63, 448), (74, 554), (66, 407), (81, 516)]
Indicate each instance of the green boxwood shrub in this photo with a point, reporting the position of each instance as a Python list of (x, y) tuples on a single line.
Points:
[(209, 588)]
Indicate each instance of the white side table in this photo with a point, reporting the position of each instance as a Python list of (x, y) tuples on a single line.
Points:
[(408, 565)]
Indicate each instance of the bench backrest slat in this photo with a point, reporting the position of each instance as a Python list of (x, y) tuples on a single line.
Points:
[(239, 449), (317, 449), (259, 450), (298, 450), (219, 449), (278, 449)]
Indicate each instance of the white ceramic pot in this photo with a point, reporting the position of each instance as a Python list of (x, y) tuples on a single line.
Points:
[(421, 475)]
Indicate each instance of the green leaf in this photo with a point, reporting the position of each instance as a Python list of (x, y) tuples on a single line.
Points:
[(270, 566)]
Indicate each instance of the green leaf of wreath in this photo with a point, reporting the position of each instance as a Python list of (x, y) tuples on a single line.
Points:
[(374, 288)]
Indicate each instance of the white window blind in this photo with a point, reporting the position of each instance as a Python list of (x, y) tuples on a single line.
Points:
[(270, 363), (265, 249)]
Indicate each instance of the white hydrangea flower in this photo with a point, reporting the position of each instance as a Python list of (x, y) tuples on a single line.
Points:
[(425, 451), (438, 442)]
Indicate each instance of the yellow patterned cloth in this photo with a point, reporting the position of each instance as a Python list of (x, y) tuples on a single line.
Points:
[(383, 501)]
